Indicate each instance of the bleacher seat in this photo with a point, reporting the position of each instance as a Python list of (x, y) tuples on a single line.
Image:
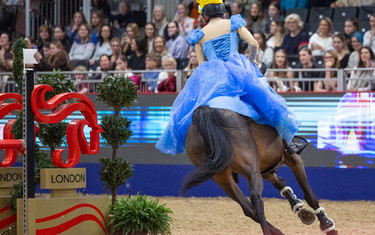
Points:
[(364, 26), (342, 13), (310, 29), (365, 12), (293, 60), (338, 27), (319, 60), (318, 13), (302, 12)]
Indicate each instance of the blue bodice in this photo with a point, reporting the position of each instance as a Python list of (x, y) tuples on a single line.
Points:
[(221, 47)]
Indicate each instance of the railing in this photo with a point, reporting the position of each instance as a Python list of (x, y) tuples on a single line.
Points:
[(52, 13), (139, 76)]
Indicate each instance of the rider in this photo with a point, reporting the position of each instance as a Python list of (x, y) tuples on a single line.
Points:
[(228, 80)]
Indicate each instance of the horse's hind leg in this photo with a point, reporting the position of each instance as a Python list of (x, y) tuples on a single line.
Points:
[(297, 166), (225, 180), (306, 216)]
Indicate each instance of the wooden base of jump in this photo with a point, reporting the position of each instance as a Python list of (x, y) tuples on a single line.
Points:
[(64, 212), (8, 177)]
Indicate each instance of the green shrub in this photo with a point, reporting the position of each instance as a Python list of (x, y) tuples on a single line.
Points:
[(139, 213)]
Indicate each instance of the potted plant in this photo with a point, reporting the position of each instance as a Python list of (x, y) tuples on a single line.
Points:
[(117, 92), (140, 215)]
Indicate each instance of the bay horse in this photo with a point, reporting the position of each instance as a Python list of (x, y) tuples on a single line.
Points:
[(222, 143)]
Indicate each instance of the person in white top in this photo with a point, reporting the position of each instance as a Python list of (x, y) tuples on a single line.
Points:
[(265, 53), (322, 39), (84, 48), (363, 80), (185, 23), (103, 47), (369, 37)]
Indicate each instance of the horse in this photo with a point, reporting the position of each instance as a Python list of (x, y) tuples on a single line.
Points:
[(222, 144)]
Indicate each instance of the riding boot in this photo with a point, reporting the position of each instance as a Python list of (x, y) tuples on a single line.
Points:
[(294, 147)]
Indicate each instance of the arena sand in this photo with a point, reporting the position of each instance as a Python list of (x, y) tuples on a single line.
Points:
[(221, 215)]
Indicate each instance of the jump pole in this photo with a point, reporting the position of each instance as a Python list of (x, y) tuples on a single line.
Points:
[(28, 136)]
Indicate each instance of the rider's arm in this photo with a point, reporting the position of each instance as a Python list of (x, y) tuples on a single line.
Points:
[(253, 44), (199, 52)]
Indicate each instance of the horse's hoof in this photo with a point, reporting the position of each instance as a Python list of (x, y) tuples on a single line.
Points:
[(306, 216)]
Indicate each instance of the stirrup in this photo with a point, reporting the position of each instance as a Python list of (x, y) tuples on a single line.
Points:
[(296, 147)]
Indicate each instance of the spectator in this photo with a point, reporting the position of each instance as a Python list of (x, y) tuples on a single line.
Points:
[(237, 8), (116, 49), (101, 5), (80, 80), (256, 20), (277, 33), (137, 58), (97, 21), (167, 80), (369, 38), (185, 23), (159, 19), (153, 62), (281, 62), (330, 61), (46, 50), (84, 48), (72, 30), (58, 59), (122, 65), (296, 38), (31, 43), (103, 47), (126, 39), (273, 15), (351, 26), (45, 35), (341, 49), (6, 55), (357, 43), (150, 34), (346, 3), (60, 35), (192, 64), (322, 39), (307, 62), (265, 54), (290, 4), (177, 45), (363, 80), (123, 18), (193, 10), (104, 66), (159, 47)]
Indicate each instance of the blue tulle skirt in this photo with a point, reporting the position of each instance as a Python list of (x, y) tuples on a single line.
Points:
[(217, 83)]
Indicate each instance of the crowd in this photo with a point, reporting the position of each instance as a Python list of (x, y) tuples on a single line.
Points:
[(116, 42)]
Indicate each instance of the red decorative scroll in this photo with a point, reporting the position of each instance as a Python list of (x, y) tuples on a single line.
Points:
[(9, 143), (77, 142)]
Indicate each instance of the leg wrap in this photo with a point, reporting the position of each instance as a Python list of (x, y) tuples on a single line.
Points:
[(321, 213), (282, 191)]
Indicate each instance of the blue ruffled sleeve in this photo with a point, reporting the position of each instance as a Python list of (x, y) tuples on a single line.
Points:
[(236, 22), (194, 36)]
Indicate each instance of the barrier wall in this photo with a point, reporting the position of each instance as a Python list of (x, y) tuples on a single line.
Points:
[(340, 160)]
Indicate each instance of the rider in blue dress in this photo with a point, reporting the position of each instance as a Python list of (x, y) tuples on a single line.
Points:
[(226, 79)]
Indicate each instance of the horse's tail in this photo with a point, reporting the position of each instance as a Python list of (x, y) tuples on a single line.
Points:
[(214, 129)]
